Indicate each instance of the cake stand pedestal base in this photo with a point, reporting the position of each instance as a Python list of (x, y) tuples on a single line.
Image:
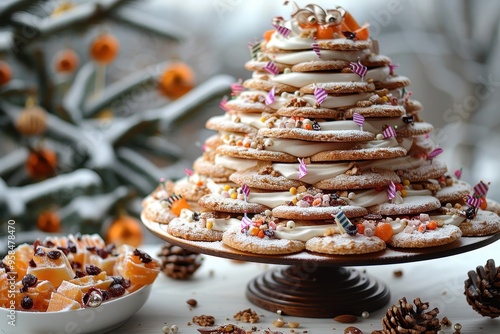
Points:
[(312, 291)]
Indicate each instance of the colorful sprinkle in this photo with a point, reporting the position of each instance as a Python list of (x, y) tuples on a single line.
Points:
[(481, 189), (245, 221), (272, 68), (392, 67), (188, 172), (316, 49), (344, 223), (434, 153), (320, 95), (270, 97), (302, 168), (254, 49), (458, 173), (391, 191), (389, 132), (359, 120), (245, 190), (359, 69), (474, 201), (283, 31), (223, 103), (236, 88)]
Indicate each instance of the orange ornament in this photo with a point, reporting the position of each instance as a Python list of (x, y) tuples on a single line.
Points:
[(104, 48), (176, 81), (384, 231), (125, 230), (49, 221), (66, 61), (32, 121), (5, 73), (41, 164)]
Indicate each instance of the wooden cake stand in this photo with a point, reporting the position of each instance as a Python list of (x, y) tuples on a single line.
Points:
[(318, 285)]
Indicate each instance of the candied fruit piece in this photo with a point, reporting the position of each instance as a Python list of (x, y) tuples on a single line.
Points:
[(52, 269), (136, 266), (58, 302)]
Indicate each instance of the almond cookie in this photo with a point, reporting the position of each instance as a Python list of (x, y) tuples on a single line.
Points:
[(493, 206), (328, 136), (454, 193), (260, 66), (376, 110), (364, 180), (223, 123), (219, 174), (219, 203), (156, 211), (431, 170), (359, 154), (484, 223), (256, 179), (413, 107), (316, 212), (393, 82), (253, 244), (266, 85), (204, 226), (339, 87), (195, 231), (376, 60), (414, 129), (412, 205), (320, 65), (311, 112), (192, 188), (430, 238), (343, 244), (343, 44), (252, 153), (249, 104)]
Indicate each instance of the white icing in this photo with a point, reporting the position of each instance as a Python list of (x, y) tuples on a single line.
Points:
[(272, 199), (338, 101), (293, 58), (234, 163), (301, 79), (304, 233), (315, 172), (367, 198), (449, 219)]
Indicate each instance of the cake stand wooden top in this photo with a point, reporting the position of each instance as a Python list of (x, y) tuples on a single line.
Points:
[(388, 256)]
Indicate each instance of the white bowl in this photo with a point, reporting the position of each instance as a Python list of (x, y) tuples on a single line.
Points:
[(105, 318)]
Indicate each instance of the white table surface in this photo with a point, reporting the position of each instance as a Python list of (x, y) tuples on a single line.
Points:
[(219, 287)]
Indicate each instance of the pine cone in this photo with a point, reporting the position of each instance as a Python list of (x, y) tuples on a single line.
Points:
[(177, 262), (404, 319), (482, 289)]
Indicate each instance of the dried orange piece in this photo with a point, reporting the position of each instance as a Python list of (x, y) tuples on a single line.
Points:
[(5, 73), (58, 302), (51, 264), (140, 270), (66, 61)]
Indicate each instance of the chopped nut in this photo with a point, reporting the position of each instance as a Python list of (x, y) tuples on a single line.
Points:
[(247, 316), (293, 324), (279, 323), (192, 302), (204, 320), (398, 273)]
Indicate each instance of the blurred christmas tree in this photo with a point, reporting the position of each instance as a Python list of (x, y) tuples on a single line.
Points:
[(88, 91)]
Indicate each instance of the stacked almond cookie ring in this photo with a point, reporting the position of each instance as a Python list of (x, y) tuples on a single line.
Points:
[(323, 150)]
